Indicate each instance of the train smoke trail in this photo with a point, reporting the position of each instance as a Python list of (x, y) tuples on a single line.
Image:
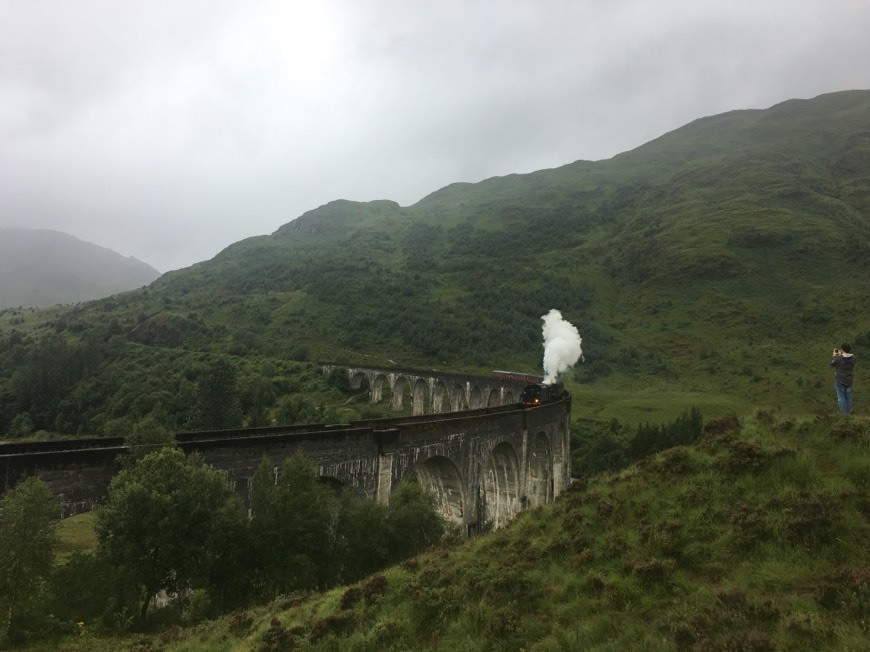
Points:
[(561, 345)]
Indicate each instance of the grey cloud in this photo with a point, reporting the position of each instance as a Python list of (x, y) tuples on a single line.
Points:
[(169, 130)]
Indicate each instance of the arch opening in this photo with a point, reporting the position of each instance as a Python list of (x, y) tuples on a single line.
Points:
[(418, 397), (359, 381), (539, 488), (332, 483), (458, 400), (440, 476), (401, 399), (439, 394), (377, 390), (501, 486)]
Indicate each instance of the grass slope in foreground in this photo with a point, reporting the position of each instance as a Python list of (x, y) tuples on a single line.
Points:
[(753, 539)]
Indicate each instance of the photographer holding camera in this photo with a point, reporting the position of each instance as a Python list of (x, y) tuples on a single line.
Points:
[(843, 363)]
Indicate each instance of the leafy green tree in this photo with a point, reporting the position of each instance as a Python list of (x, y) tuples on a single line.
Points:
[(295, 409), (21, 426), (360, 541), (291, 522), (687, 428), (257, 397), (608, 452), (227, 558), (217, 397), (162, 522), (88, 588), (684, 430), (147, 436), (28, 516), (43, 380), (648, 439), (413, 521)]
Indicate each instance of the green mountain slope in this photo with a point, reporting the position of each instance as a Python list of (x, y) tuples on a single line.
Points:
[(715, 266)]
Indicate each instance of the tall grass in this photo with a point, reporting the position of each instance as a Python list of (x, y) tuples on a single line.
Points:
[(76, 534)]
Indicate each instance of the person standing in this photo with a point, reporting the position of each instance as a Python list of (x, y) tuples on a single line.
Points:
[(843, 363)]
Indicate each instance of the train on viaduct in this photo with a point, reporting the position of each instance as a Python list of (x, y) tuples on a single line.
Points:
[(468, 439)]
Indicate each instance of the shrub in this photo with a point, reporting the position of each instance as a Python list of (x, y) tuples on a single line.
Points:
[(749, 457), (811, 518), (333, 624), (653, 571), (241, 623), (278, 638), (369, 590), (750, 524), (847, 590), (853, 430)]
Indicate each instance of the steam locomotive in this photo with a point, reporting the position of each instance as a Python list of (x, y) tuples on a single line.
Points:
[(536, 391), (539, 393)]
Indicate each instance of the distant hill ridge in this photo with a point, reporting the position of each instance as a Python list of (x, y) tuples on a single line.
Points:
[(42, 267)]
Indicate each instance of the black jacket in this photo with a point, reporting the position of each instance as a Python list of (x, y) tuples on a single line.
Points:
[(843, 365)]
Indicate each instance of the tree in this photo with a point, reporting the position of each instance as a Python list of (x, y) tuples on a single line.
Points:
[(146, 436), (28, 516), (88, 588), (295, 409), (21, 426), (648, 439), (162, 522), (413, 521), (687, 428), (44, 380), (291, 522), (360, 545), (227, 557), (217, 397), (257, 397)]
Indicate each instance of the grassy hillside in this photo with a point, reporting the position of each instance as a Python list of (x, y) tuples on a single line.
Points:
[(752, 539), (715, 266)]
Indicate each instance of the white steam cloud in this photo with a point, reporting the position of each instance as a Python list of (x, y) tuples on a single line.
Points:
[(561, 345)]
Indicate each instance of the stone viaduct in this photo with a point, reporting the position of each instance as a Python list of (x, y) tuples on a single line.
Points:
[(429, 392), (468, 440)]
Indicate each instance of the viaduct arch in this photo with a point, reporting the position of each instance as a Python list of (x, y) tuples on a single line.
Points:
[(428, 391), (485, 464)]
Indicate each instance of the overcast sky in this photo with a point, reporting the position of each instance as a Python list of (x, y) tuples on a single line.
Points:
[(169, 129)]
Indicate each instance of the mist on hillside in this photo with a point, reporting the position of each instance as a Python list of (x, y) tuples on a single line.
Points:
[(41, 267)]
